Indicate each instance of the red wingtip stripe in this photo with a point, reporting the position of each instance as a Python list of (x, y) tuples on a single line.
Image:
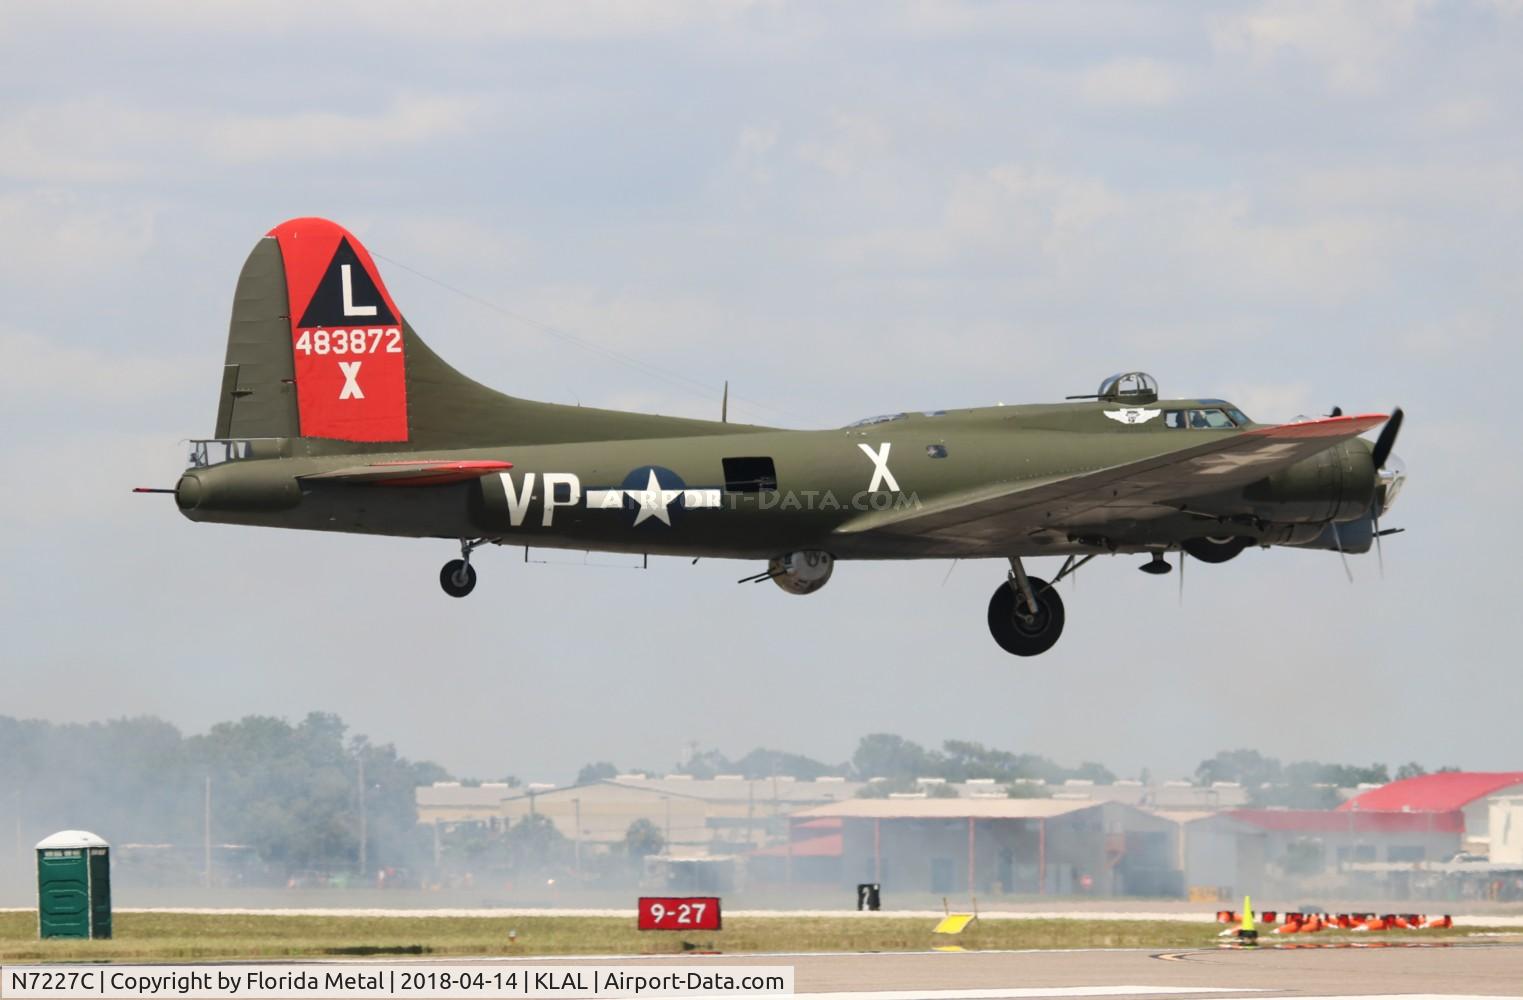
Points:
[(443, 473), (484, 465), (1344, 426)]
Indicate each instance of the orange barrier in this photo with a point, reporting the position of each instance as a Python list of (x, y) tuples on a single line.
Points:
[(1310, 923)]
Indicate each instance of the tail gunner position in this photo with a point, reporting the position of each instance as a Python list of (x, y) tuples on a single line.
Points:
[(335, 416)]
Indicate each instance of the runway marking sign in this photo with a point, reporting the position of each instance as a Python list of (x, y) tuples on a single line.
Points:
[(679, 913)]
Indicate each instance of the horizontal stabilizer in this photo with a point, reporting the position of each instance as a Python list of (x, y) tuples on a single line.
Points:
[(424, 473)]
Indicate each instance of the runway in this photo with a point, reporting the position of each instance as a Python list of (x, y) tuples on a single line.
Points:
[(1448, 971), (1190, 916)]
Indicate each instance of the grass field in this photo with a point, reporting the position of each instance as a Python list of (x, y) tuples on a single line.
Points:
[(171, 937)]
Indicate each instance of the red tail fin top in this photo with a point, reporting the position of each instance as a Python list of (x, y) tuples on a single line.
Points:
[(346, 336)]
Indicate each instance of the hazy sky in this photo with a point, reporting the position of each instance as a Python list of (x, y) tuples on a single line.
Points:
[(844, 209)]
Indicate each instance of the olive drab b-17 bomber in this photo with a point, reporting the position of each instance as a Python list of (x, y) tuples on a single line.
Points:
[(334, 415)]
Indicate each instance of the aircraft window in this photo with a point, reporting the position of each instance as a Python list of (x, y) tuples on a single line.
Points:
[(749, 475), (936, 450), (885, 418), (1239, 418), (215, 451), (1129, 385), (1174, 418), (1210, 419)]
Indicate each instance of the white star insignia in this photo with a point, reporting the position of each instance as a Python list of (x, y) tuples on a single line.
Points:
[(653, 501)]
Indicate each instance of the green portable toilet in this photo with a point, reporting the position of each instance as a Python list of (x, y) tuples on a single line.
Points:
[(74, 886)]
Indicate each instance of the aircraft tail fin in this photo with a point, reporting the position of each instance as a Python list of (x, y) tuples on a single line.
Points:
[(318, 351), (317, 348)]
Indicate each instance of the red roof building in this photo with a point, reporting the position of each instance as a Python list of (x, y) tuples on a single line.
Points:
[(1469, 792), (1443, 792)]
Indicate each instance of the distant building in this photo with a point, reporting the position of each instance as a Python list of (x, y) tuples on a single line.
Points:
[(446, 802), (1469, 792), (1268, 850), (979, 845), (1506, 830), (722, 815)]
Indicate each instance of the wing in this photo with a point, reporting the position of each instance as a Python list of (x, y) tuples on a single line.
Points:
[(424, 473), (1004, 511)]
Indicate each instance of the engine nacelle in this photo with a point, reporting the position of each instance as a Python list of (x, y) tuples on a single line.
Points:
[(802, 572), (1337, 484)]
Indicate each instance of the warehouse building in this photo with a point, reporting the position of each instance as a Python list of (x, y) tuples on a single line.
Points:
[(1468, 792), (983, 846), (1277, 851), (722, 815)]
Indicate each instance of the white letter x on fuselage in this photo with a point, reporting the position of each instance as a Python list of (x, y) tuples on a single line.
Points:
[(880, 467)]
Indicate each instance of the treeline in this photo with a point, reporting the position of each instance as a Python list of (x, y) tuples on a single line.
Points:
[(290, 795), (1306, 784), (878, 755), (1266, 780), (292, 798)]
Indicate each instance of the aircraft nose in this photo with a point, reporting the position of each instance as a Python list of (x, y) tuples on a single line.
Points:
[(1392, 477)]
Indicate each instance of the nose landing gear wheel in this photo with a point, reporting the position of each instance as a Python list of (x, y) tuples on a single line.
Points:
[(1016, 629), (458, 578)]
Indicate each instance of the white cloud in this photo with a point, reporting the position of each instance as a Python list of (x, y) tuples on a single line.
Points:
[(89, 140), (87, 478), (1131, 83), (1274, 403), (1491, 188), (56, 237), (427, 19), (42, 371), (1353, 42), (854, 141), (326, 135), (1061, 235), (100, 140)]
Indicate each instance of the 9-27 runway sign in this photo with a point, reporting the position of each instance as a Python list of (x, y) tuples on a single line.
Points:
[(679, 913)]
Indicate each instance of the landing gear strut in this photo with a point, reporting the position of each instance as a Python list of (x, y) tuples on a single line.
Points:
[(1025, 613), (458, 577)]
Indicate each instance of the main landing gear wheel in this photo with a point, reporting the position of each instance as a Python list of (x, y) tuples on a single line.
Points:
[(1016, 628), (1215, 549), (458, 578)]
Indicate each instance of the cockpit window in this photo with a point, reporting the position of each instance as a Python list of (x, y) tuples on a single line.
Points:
[(885, 418), (1204, 419)]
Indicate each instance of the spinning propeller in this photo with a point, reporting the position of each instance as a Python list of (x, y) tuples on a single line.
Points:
[(1389, 483)]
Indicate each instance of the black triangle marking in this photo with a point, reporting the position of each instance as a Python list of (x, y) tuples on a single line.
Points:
[(327, 305)]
